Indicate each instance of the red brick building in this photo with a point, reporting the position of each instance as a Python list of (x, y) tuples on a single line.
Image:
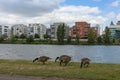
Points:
[(80, 29)]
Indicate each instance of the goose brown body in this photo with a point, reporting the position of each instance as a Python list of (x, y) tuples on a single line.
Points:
[(85, 62), (63, 59), (42, 59)]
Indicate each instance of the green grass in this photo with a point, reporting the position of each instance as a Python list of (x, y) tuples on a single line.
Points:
[(96, 71)]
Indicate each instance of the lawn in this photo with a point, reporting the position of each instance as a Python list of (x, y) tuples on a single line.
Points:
[(96, 71)]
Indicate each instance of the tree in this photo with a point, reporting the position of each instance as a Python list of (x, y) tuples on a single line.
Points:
[(16, 37), (111, 23), (91, 36), (12, 40), (113, 41), (4, 36), (1, 38), (22, 36), (99, 39), (119, 40), (58, 33), (46, 36), (106, 36), (77, 39), (37, 36), (61, 33), (69, 39), (29, 39)]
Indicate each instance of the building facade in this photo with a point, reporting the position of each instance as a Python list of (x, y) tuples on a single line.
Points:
[(37, 28), (4, 30), (1, 30), (80, 29), (48, 32), (19, 29), (115, 31)]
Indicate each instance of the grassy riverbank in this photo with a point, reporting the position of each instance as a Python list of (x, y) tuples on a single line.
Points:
[(96, 71), (52, 42)]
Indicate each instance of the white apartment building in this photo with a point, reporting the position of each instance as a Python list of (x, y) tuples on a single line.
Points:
[(1, 30), (37, 28), (19, 29), (4, 30)]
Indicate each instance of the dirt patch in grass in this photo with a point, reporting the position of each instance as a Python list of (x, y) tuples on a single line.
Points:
[(18, 77)]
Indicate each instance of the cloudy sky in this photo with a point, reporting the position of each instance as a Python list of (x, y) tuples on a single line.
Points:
[(49, 11)]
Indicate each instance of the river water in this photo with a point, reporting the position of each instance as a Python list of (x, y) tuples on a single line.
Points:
[(99, 54)]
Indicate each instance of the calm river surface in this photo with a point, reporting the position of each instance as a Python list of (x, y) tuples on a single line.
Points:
[(100, 54)]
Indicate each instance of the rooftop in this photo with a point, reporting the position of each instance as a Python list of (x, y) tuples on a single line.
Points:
[(114, 26)]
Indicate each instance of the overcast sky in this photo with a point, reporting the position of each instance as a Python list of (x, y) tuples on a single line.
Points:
[(49, 11)]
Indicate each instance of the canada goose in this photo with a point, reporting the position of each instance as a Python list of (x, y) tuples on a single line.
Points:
[(42, 59), (85, 62), (63, 59)]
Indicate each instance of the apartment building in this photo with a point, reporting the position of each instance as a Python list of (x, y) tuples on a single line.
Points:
[(48, 32), (19, 29), (4, 30), (115, 31), (37, 28), (1, 30), (80, 29)]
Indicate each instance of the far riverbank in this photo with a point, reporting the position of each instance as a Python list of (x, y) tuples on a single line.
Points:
[(53, 42)]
